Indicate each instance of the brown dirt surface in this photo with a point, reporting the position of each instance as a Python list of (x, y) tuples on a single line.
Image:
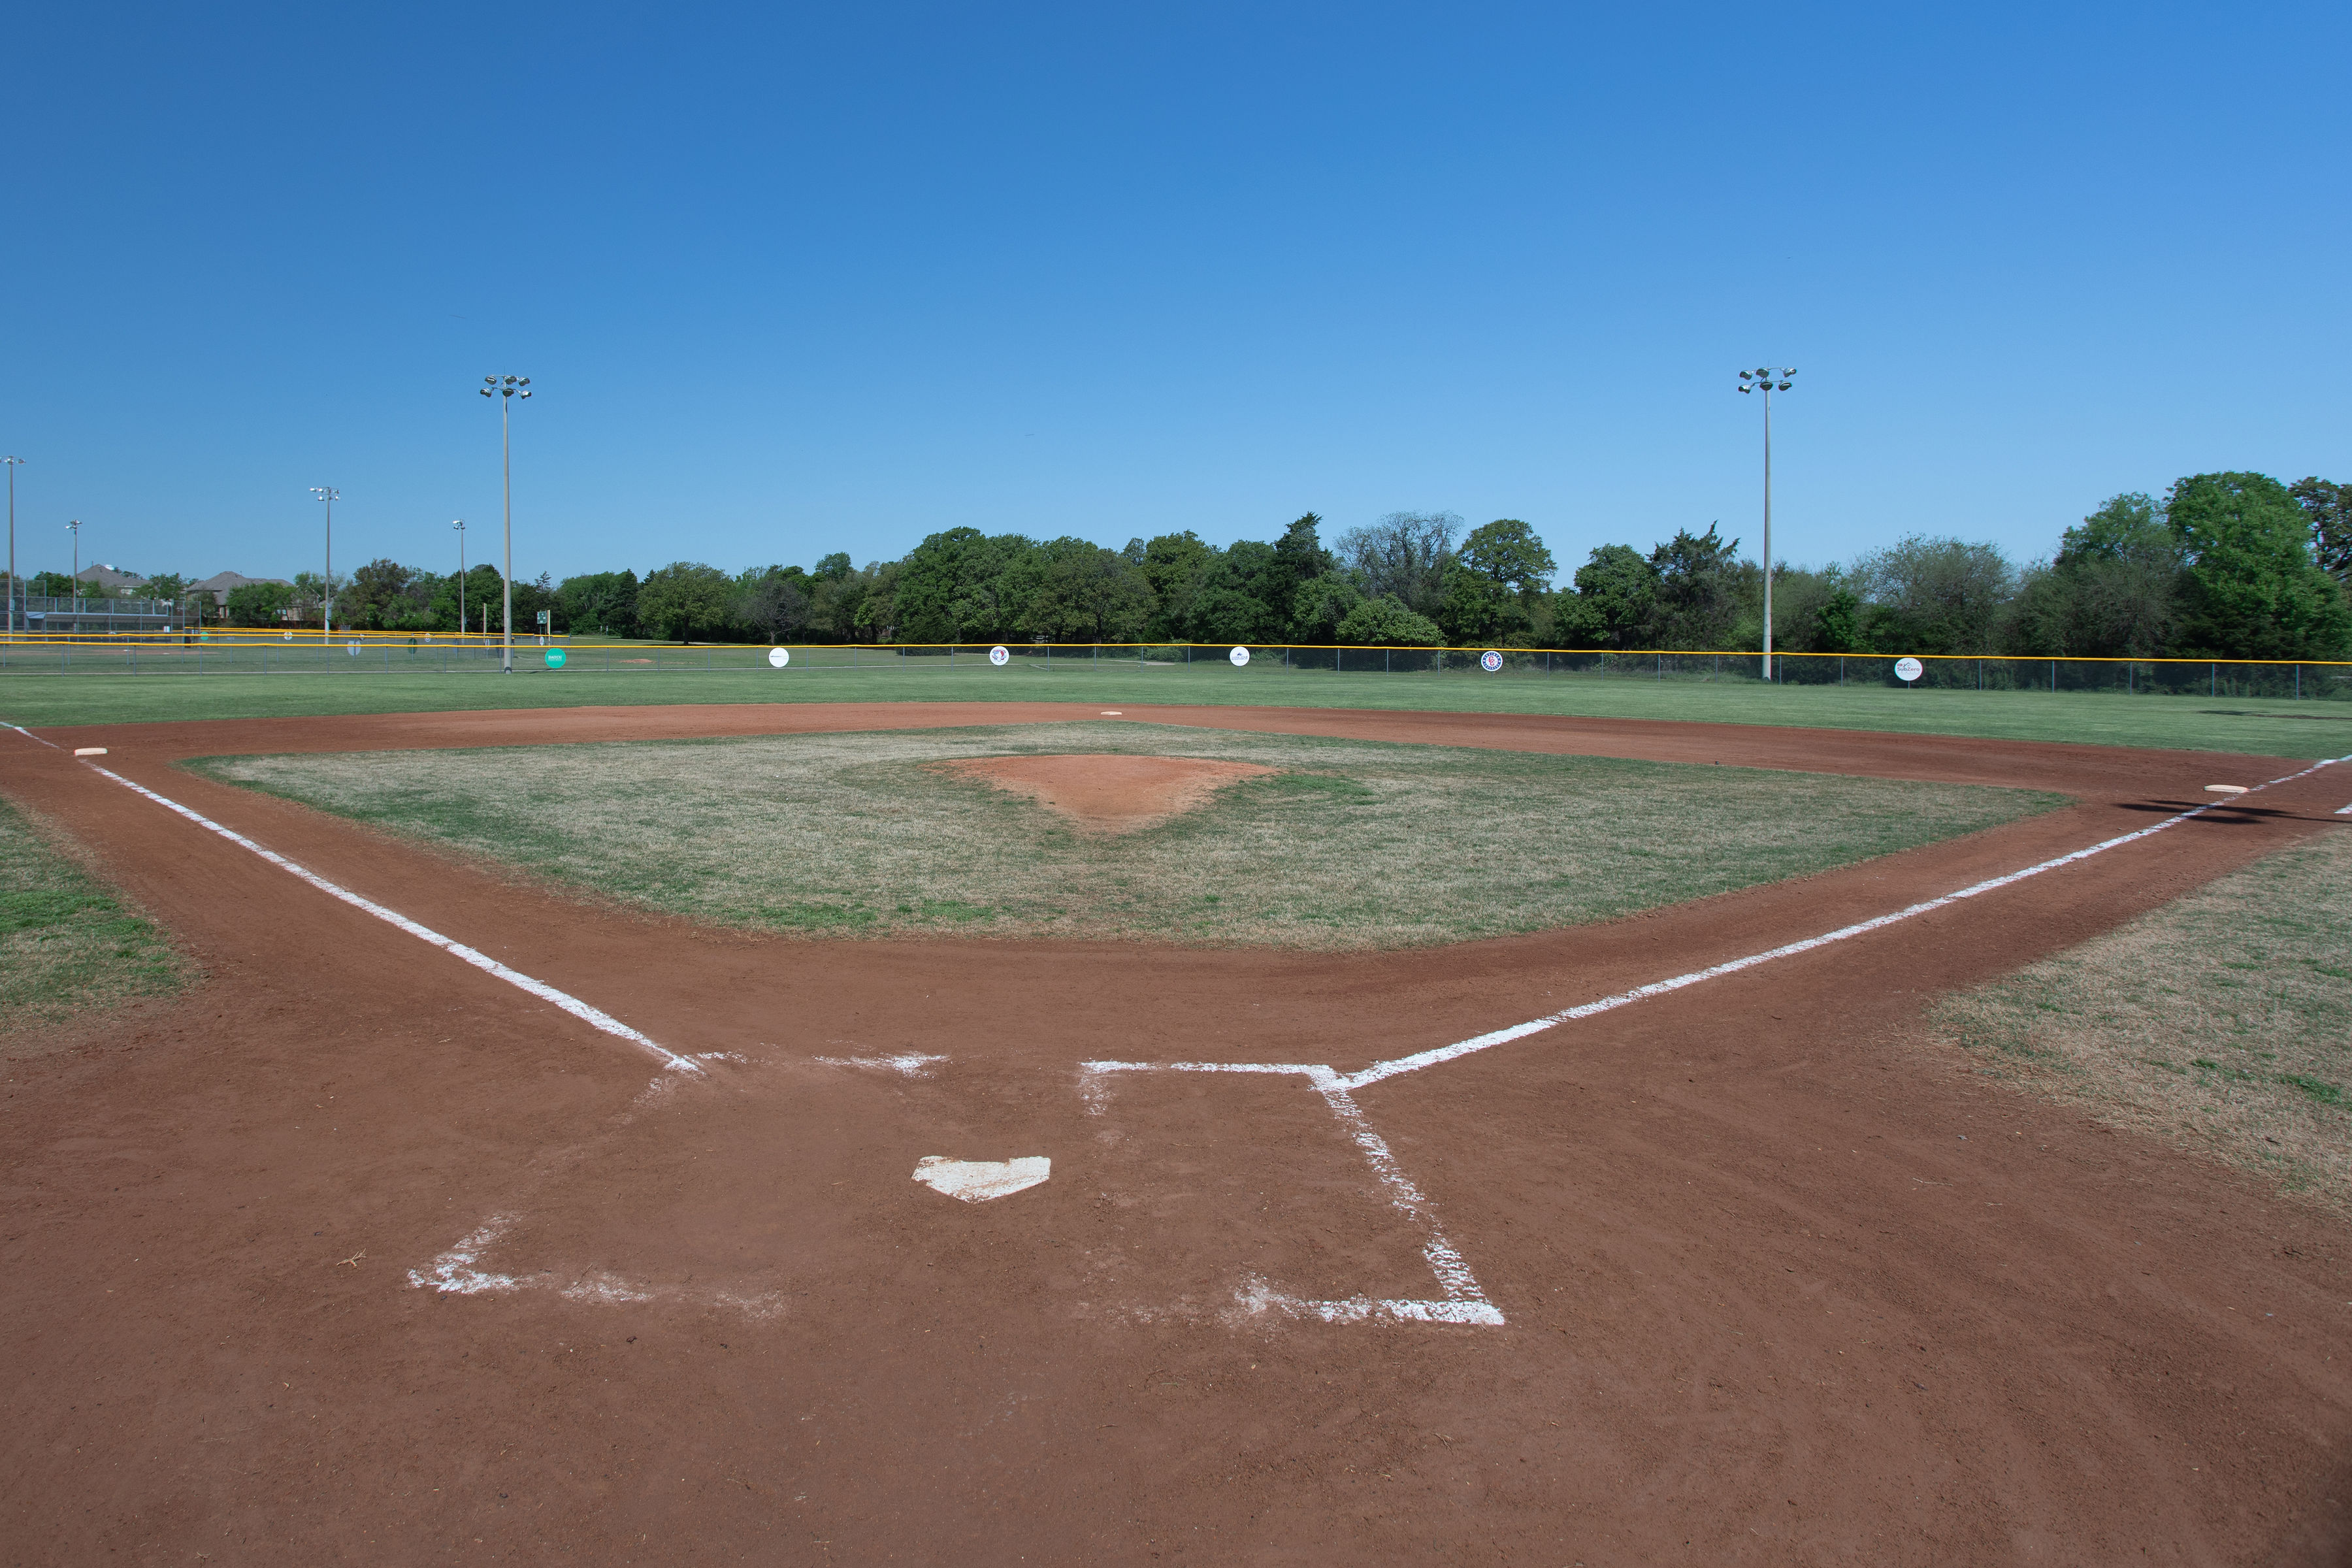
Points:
[(1775, 1291), (1108, 793)]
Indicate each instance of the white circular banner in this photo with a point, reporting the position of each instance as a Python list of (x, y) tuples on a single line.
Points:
[(997, 655), (778, 658), (1240, 656), (289, 637), (1908, 669), (354, 648), (1490, 661)]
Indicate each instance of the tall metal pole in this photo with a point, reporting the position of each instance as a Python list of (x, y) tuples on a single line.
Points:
[(1768, 530), (505, 389), (1767, 380), (460, 526), (76, 579), (506, 571), (12, 463), (330, 495)]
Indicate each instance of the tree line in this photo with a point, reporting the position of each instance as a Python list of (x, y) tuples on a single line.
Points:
[(2233, 565)]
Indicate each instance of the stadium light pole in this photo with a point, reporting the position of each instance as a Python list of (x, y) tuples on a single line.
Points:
[(75, 527), (328, 495), (460, 526), (12, 464), (506, 389), (1767, 380)]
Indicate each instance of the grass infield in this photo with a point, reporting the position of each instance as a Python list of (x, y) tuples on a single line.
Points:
[(68, 947), (2258, 726), (2222, 1021), (1351, 845)]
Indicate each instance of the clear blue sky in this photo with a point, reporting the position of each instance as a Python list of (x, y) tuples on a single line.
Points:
[(792, 279)]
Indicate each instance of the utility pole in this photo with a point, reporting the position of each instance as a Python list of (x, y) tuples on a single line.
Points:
[(328, 495), (1764, 379), (506, 391), (12, 464), (460, 526)]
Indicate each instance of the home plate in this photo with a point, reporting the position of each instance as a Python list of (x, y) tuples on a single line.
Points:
[(977, 1181), (2225, 789)]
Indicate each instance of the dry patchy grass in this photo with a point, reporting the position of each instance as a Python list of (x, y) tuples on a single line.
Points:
[(68, 946), (1349, 845), (2222, 1022)]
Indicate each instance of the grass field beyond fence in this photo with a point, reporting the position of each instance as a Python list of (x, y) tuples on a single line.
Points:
[(1351, 845)]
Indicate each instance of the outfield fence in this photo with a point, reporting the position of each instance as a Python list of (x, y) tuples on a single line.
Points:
[(360, 653)]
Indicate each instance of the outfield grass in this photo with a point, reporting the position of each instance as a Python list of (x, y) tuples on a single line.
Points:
[(1351, 844), (2266, 726), (68, 947), (2222, 1021)]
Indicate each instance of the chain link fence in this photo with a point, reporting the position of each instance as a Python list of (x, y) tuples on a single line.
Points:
[(443, 654)]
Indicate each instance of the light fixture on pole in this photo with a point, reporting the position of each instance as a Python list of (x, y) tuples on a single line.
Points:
[(460, 526), (329, 496), (75, 526), (506, 389), (1767, 380), (12, 463)]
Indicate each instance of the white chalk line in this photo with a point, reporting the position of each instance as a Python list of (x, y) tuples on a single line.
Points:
[(30, 736), (458, 1272), (1464, 1302), (595, 1017), (1419, 1060)]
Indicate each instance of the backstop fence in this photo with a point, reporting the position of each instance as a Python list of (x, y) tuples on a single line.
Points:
[(361, 653)]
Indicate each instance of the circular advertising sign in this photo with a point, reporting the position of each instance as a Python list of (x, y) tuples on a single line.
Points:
[(289, 637), (1240, 656), (1490, 661), (779, 657), (997, 655), (556, 657), (1907, 669), (352, 648)]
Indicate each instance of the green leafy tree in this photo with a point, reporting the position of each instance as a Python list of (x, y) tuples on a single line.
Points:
[(1386, 622), (962, 585), (1616, 601), (1229, 598), (1319, 607), (1086, 594), (1299, 559), (2328, 506), (1940, 596), (50, 586), (604, 602), (685, 598), (376, 595), (1173, 564), (1703, 591), (773, 601), (259, 604), (1403, 556), (2250, 588)]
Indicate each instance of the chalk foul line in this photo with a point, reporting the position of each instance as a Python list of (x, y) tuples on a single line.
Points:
[(1420, 1060), (1462, 1302), (595, 1017)]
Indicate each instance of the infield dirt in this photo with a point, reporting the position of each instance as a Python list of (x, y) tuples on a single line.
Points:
[(1773, 1292)]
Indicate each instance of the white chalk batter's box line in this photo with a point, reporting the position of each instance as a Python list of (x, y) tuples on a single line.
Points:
[(1461, 1300)]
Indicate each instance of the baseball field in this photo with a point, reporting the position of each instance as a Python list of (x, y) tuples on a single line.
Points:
[(1078, 1120)]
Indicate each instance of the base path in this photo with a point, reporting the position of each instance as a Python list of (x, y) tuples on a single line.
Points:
[(362, 1253)]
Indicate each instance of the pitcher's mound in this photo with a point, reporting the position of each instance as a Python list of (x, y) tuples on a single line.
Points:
[(1108, 794)]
